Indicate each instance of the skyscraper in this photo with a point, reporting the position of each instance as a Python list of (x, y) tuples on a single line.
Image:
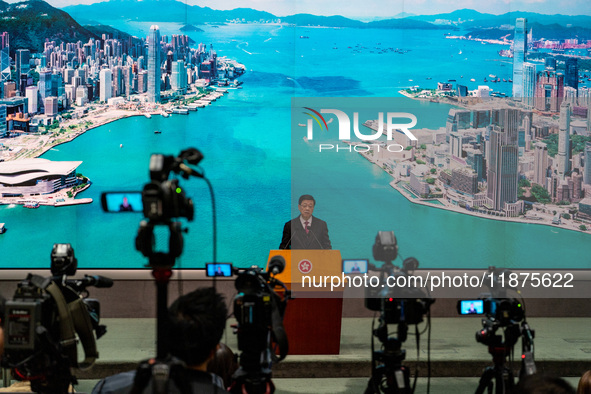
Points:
[(571, 73), (503, 164), (3, 119), (550, 63), (540, 163), (31, 93), (106, 84), (178, 79), (519, 52), (4, 60), (549, 91), (587, 165), (154, 65), (529, 84), (563, 155), (22, 57), (44, 84)]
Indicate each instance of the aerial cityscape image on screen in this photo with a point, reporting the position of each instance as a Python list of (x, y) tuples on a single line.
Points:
[(463, 127)]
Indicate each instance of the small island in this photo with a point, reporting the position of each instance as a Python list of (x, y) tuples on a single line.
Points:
[(190, 28)]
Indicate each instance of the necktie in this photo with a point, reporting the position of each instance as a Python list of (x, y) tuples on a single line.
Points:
[(306, 226)]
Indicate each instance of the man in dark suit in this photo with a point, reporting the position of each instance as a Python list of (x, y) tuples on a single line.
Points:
[(305, 231)]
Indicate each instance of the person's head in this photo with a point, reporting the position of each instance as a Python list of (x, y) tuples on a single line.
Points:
[(223, 364), (540, 384), (306, 205), (585, 383), (198, 320)]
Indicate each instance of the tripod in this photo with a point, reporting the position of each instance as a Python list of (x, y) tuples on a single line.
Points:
[(498, 376), (388, 375)]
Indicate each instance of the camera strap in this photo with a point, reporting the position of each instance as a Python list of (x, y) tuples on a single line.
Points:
[(278, 329), (74, 318), (67, 332)]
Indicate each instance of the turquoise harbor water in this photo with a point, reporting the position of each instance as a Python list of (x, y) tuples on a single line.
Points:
[(247, 142)]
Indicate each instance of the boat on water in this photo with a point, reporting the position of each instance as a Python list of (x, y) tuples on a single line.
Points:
[(148, 116), (157, 132), (2, 228), (32, 204), (492, 76), (180, 111), (472, 80)]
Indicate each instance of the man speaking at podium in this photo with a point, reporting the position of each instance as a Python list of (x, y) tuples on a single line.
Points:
[(305, 231)]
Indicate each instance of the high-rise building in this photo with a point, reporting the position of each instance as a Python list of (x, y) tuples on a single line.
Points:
[(4, 60), (142, 82), (106, 84), (51, 108), (550, 63), (178, 80), (31, 94), (44, 84), (519, 54), (563, 155), (22, 58), (540, 163), (464, 180), (549, 91), (3, 129), (502, 174), (571, 73), (529, 84), (475, 160), (154, 65), (587, 165)]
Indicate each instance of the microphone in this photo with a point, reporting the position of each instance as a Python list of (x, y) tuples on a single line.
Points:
[(276, 265), (88, 280), (288, 244), (189, 171), (316, 238)]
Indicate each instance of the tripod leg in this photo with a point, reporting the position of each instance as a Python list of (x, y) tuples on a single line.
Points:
[(372, 387), (486, 381)]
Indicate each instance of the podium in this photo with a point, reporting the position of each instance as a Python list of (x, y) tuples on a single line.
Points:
[(313, 317)]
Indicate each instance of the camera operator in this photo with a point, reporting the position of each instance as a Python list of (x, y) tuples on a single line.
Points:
[(197, 322)]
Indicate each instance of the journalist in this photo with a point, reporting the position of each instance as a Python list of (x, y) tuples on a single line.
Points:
[(197, 323)]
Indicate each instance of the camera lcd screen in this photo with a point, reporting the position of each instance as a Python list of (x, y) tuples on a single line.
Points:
[(219, 269), (471, 307), (355, 266), (122, 202)]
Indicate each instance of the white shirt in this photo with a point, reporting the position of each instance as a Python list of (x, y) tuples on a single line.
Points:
[(304, 222)]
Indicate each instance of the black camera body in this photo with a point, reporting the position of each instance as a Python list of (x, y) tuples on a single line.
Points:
[(259, 312), (45, 320), (166, 200)]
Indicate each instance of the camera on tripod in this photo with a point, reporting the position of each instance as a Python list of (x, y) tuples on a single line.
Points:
[(404, 306), (44, 321), (259, 311), (501, 312)]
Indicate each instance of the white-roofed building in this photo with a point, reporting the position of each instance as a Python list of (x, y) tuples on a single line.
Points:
[(28, 177)]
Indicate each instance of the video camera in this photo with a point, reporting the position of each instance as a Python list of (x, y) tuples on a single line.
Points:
[(396, 304), (259, 311), (44, 321), (402, 306), (501, 311)]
